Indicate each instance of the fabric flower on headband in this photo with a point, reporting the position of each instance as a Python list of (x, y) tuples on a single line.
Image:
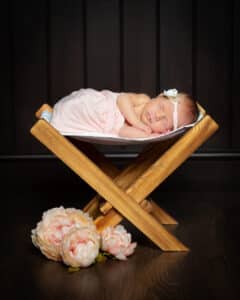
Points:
[(171, 93)]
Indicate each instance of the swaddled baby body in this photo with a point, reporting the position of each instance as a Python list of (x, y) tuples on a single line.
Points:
[(88, 110), (123, 114)]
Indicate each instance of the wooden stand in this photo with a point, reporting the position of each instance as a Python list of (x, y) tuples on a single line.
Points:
[(123, 194)]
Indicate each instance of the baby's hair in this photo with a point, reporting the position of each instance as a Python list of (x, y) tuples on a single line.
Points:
[(192, 106)]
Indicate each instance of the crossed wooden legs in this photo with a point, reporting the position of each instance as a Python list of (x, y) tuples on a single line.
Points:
[(101, 209), (129, 188)]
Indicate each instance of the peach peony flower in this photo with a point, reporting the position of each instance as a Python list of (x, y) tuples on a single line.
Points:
[(80, 247), (117, 241), (55, 223)]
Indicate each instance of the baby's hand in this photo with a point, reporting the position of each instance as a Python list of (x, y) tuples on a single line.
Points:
[(143, 127)]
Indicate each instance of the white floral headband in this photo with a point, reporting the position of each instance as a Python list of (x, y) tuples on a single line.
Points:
[(172, 94)]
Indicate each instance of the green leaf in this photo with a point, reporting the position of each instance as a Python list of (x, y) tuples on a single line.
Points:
[(73, 269), (100, 258), (107, 254)]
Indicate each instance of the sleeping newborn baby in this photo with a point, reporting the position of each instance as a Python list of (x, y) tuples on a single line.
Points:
[(129, 115)]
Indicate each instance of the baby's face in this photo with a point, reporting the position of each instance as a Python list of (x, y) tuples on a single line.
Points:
[(158, 115)]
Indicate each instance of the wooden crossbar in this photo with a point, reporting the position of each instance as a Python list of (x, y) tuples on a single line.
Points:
[(124, 178), (163, 167)]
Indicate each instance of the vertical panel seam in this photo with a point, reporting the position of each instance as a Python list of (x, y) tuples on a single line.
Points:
[(157, 24), (231, 75), (48, 51), (12, 76), (121, 43), (194, 48), (84, 24)]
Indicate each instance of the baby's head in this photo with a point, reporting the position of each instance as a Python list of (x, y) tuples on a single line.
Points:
[(169, 110)]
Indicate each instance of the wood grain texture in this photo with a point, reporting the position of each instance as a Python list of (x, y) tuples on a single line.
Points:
[(98, 206), (144, 160), (44, 107), (161, 215)]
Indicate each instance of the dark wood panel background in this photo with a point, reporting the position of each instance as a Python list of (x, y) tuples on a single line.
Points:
[(50, 48)]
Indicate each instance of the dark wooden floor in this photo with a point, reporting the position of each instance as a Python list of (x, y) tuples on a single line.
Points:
[(203, 195)]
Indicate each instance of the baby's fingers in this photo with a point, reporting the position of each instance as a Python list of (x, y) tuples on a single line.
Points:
[(147, 129), (144, 127)]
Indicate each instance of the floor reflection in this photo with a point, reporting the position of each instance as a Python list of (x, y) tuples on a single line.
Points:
[(139, 277)]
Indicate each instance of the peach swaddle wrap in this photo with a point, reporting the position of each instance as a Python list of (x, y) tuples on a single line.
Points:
[(88, 110)]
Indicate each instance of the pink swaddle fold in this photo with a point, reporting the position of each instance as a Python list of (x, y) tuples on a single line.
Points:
[(88, 110)]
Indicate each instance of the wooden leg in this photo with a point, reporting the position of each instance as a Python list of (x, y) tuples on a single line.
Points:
[(125, 178), (104, 185), (173, 158), (160, 214), (164, 166)]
